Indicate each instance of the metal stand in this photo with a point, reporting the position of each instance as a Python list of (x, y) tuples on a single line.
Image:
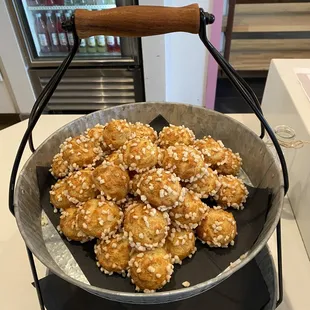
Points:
[(243, 88), (35, 114), (35, 279), (280, 274)]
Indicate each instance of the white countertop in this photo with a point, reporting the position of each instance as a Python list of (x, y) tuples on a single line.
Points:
[(15, 287), (285, 103), (286, 70)]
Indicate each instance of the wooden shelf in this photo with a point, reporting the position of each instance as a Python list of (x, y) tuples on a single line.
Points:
[(260, 61), (255, 55), (271, 23), (272, 17), (272, 8), (270, 45)]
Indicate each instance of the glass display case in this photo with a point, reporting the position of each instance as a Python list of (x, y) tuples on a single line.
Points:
[(44, 18), (106, 71), (46, 41)]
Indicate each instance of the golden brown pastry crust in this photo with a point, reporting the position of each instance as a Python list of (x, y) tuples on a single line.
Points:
[(80, 152), (160, 188), (116, 133), (175, 135), (115, 158), (206, 186), (133, 184), (58, 195), (122, 162), (81, 186), (69, 227), (180, 243), (77, 187), (96, 135), (139, 130), (213, 151), (147, 228), (218, 229), (190, 211), (113, 254), (59, 167), (231, 163), (185, 161), (112, 181), (232, 193), (150, 270), (100, 219), (140, 154)]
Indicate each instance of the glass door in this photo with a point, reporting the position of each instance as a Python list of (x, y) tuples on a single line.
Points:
[(47, 43)]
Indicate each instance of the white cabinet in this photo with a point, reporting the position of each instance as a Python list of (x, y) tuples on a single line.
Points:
[(13, 67), (6, 100), (285, 103)]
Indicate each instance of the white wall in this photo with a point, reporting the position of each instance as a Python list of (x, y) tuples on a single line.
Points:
[(187, 64), (6, 100), (175, 65), (154, 62), (13, 63)]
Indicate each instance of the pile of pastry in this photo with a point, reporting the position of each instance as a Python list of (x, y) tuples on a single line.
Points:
[(139, 194)]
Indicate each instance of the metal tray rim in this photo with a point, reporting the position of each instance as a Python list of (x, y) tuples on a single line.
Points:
[(158, 297)]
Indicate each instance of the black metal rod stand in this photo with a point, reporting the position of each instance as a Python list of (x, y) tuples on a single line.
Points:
[(279, 261), (243, 88), (35, 278)]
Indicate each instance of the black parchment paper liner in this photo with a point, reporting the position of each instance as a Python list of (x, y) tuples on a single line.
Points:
[(244, 290)]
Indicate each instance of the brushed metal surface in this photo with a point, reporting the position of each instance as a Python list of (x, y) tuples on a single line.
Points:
[(258, 163), (90, 89), (59, 251), (266, 265)]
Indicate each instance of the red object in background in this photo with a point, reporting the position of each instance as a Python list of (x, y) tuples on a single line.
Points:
[(42, 34), (60, 2), (110, 43), (34, 2), (117, 44), (69, 34), (52, 32), (62, 35), (50, 2)]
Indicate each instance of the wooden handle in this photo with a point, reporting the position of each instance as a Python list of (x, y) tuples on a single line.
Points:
[(137, 21)]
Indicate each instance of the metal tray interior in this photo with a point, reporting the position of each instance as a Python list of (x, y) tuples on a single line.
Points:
[(258, 163)]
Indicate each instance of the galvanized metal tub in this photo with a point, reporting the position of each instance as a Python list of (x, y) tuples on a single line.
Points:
[(258, 163), (266, 265)]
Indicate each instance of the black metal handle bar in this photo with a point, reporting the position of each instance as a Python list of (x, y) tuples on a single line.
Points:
[(242, 87)]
